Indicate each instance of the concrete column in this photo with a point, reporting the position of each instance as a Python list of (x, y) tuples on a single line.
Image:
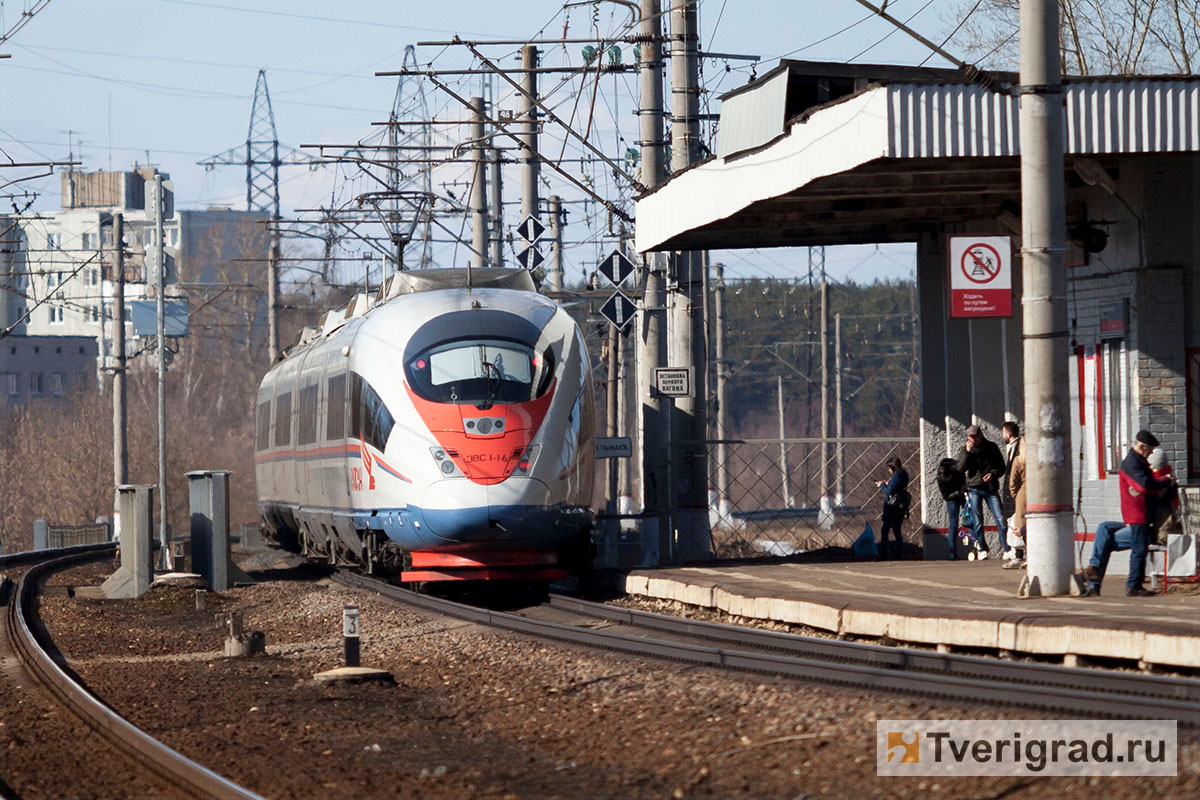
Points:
[(133, 577), (1049, 521), (479, 209), (208, 493), (41, 534)]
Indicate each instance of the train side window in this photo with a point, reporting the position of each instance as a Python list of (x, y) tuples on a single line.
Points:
[(306, 427), (335, 420), (263, 438), (283, 419), (370, 418)]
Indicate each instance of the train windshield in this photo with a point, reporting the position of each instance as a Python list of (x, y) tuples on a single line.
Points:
[(480, 372)]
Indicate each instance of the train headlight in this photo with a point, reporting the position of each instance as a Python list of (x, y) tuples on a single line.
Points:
[(445, 463), (527, 460)]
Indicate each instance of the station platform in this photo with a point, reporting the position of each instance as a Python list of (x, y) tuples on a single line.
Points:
[(959, 605)]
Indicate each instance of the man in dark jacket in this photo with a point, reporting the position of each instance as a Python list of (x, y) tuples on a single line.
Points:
[(1139, 493), (982, 463)]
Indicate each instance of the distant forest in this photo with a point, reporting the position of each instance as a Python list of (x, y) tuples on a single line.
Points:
[(773, 329)]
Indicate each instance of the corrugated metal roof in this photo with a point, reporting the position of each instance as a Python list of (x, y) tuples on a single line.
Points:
[(752, 119), (1144, 116), (915, 121)]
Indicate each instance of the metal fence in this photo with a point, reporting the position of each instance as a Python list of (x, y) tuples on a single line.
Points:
[(778, 497), (47, 536)]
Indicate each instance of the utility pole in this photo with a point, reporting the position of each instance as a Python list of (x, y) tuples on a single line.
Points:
[(479, 216), (497, 208), (724, 506), (652, 422), (529, 124), (689, 451), (160, 290), (273, 256), (784, 478), (1049, 531), (826, 507), (556, 244), (839, 495), (120, 406)]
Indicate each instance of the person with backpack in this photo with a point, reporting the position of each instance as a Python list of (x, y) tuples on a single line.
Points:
[(952, 484), (896, 502)]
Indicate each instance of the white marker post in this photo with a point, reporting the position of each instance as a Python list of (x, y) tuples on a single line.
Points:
[(350, 634)]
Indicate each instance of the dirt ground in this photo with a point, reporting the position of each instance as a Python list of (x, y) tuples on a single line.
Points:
[(46, 753), (481, 713)]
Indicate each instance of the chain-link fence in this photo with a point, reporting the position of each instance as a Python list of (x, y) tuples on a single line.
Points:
[(779, 497)]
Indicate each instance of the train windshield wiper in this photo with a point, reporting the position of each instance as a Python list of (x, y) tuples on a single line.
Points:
[(493, 389)]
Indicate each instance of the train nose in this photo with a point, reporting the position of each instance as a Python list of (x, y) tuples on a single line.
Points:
[(458, 511)]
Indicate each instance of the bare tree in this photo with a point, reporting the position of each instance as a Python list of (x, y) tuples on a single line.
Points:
[(1099, 37)]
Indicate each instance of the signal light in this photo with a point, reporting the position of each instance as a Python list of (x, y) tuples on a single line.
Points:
[(420, 363), (523, 465)]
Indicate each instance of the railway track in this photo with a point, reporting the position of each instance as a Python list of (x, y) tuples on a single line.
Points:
[(1085, 692), (167, 765)]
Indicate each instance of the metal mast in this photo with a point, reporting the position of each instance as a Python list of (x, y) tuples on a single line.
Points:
[(262, 160), (398, 137)]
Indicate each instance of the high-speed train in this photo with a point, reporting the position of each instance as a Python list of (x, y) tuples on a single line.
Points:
[(443, 427)]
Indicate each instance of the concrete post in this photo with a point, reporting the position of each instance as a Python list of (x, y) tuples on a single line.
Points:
[(479, 215), (724, 506), (652, 422), (133, 577), (529, 125), (497, 208), (41, 534), (208, 494), (556, 243), (784, 478), (1050, 515), (120, 406), (839, 429), (161, 359), (689, 345)]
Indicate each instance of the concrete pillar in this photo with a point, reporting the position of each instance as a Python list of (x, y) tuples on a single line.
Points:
[(208, 496), (41, 534), (133, 578)]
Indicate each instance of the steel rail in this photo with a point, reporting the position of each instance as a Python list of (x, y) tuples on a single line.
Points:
[(169, 765), (1168, 687), (873, 676)]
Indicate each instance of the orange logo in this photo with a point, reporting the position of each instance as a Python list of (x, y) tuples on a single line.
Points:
[(367, 462), (908, 752)]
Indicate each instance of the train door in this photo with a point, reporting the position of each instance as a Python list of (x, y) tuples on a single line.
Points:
[(337, 409)]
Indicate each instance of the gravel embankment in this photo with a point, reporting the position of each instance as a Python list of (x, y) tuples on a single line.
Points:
[(481, 713)]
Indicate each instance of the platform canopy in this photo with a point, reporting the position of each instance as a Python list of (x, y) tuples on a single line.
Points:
[(824, 154)]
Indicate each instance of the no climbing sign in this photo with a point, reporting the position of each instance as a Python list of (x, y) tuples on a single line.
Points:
[(980, 276)]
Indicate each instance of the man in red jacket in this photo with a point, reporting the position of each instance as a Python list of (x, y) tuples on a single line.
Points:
[(1139, 492)]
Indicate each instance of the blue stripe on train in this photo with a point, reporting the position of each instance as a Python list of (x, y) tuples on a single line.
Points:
[(414, 528)]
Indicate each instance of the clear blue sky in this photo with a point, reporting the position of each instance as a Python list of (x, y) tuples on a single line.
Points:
[(172, 81)]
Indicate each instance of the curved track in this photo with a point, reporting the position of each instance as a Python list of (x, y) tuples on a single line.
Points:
[(1086, 692), (168, 765)]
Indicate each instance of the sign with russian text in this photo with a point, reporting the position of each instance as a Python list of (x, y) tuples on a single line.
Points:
[(673, 381), (980, 276), (614, 447)]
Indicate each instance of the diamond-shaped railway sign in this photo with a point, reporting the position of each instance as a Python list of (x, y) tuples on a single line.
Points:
[(619, 310), (530, 258), (531, 229), (616, 267)]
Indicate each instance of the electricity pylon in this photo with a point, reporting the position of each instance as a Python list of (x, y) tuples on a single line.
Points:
[(261, 154)]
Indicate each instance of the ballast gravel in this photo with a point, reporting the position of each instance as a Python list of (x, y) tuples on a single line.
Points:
[(477, 712)]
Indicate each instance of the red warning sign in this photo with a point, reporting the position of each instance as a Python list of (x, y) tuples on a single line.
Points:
[(980, 276)]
